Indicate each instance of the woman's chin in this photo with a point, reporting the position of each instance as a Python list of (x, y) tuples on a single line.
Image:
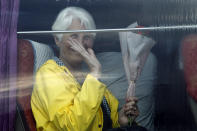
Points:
[(73, 57)]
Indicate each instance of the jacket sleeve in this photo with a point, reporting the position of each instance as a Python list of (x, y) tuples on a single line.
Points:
[(113, 104), (57, 99)]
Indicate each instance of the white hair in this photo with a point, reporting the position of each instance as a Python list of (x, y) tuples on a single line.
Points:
[(65, 17)]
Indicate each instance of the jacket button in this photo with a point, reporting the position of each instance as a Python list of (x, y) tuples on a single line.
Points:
[(99, 125)]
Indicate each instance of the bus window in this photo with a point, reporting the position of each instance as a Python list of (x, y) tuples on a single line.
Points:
[(165, 86)]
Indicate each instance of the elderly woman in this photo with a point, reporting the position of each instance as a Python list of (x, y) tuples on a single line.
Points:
[(60, 99)]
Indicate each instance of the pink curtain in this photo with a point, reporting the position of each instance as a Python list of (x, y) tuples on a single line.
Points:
[(8, 62)]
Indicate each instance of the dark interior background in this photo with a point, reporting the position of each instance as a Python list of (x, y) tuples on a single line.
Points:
[(172, 110)]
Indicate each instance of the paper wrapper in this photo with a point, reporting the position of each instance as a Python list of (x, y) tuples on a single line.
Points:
[(135, 49)]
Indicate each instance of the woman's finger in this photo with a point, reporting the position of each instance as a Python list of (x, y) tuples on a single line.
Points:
[(131, 103), (91, 52), (127, 108), (131, 113), (79, 48), (73, 46), (132, 99), (76, 44)]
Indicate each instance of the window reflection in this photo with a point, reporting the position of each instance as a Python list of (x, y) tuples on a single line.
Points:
[(166, 96)]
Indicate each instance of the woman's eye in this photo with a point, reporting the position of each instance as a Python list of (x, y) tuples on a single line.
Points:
[(87, 37), (74, 36)]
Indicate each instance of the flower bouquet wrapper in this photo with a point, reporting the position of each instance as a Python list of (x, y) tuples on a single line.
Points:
[(135, 48)]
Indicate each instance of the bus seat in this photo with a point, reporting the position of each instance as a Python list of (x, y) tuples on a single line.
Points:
[(189, 61), (31, 55)]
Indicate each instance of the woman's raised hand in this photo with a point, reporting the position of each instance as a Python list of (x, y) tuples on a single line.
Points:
[(88, 55)]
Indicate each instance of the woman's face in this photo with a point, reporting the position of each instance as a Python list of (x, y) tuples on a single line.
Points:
[(85, 39)]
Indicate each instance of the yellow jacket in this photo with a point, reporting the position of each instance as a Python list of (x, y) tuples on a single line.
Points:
[(59, 102)]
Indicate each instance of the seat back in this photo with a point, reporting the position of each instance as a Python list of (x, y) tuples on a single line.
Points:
[(189, 59), (31, 55)]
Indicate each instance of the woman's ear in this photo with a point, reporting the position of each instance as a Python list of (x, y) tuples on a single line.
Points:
[(57, 41)]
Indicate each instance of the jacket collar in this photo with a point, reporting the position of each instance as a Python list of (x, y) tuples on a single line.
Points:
[(58, 61)]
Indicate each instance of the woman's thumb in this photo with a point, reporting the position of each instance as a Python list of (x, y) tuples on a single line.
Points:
[(90, 51)]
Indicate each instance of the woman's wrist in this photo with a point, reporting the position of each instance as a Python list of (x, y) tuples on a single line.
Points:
[(96, 74)]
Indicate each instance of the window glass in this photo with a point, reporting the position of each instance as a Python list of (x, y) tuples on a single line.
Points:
[(169, 68)]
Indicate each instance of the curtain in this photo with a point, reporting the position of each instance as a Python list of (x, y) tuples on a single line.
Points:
[(8, 62)]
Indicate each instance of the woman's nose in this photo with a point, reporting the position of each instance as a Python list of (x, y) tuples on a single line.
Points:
[(80, 40)]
